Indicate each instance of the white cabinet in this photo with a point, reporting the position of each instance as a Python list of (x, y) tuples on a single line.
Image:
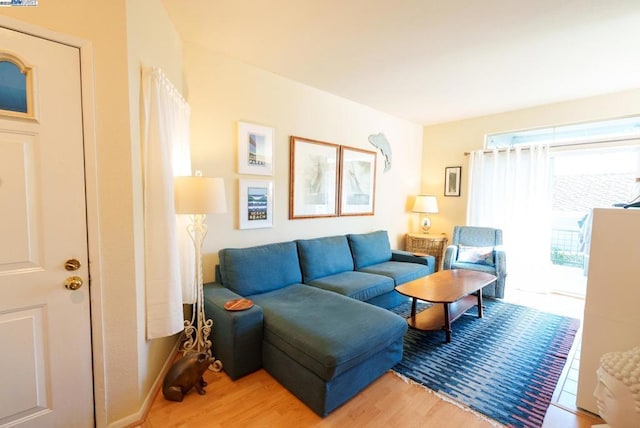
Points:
[(612, 305)]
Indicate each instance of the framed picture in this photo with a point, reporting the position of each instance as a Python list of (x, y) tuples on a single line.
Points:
[(255, 149), (313, 175), (452, 178), (256, 204), (357, 181)]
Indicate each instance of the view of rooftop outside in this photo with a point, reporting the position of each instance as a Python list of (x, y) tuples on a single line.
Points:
[(582, 180)]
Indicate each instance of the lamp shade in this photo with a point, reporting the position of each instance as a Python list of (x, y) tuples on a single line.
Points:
[(199, 195), (425, 204)]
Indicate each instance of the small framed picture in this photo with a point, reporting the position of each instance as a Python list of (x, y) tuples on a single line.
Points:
[(452, 178), (357, 181), (255, 149), (256, 204)]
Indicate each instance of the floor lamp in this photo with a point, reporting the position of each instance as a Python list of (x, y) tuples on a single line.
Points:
[(198, 196)]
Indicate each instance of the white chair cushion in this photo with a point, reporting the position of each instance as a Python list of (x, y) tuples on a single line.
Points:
[(476, 255)]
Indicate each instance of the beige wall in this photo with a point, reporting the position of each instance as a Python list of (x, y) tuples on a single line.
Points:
[(223, 91), (126, 365), (445, 144)]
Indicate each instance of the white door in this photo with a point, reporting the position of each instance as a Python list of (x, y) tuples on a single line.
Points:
[(45, 336)]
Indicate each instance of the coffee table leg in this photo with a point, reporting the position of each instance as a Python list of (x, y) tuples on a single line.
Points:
[(413, 309), (480, 303), (447, 322)]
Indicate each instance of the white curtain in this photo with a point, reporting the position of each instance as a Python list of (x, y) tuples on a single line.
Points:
[(169, 258), (509, 189)]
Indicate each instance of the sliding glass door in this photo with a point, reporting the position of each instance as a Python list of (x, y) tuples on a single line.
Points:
[(583, 179)]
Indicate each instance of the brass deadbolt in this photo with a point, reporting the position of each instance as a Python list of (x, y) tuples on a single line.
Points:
[(72, 264)]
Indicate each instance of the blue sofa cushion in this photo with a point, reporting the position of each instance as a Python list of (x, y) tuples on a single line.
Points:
[(324, 256), (401, 272), (324, 331), (260, 269), (370, 248), (357, 285)]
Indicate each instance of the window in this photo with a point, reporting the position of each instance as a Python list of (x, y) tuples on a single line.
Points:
[(15, 87), (591, 132)]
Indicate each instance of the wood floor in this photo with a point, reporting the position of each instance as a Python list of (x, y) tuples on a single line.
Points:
[(258, 400)]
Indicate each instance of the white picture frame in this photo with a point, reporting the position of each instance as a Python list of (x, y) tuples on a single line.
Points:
[(255, 204), (255, 149)]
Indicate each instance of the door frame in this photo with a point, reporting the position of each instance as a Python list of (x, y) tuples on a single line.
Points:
[(91, 200)]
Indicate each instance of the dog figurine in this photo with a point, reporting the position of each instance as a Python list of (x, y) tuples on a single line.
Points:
[(185, 374)]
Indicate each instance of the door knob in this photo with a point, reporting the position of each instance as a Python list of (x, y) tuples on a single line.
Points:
[(72, 264), (73, 283)]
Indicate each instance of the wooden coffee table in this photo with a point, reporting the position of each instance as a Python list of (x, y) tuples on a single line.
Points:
[(450, 291)]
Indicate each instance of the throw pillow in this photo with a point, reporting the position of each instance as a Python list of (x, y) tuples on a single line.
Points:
[(477, 255)]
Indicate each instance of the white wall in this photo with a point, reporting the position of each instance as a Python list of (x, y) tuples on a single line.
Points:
[(445, 144), (222, 92)]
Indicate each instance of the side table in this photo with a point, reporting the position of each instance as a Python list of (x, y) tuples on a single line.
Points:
[(433, 245)]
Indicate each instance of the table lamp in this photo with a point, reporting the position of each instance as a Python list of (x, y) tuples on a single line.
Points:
[(425, 204)]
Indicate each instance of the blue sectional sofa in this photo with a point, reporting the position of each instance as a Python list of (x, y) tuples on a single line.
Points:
[(318, 324)]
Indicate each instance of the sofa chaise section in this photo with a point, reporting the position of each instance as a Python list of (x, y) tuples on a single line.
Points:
[(322, 346), (237, 336), (325, 347)]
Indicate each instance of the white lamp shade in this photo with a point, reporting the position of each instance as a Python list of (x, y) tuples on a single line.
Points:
[(199, 195), (425, 204)]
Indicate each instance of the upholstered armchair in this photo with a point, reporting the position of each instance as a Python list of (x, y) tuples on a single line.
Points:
[(479, 249)]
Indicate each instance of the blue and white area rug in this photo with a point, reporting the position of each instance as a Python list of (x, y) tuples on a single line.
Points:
[(505, 365)]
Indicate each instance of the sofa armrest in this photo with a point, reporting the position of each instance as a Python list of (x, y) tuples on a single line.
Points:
[(407, 256), (236, 335)]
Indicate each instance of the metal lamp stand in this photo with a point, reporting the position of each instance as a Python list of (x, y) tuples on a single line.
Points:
[(198, 329)]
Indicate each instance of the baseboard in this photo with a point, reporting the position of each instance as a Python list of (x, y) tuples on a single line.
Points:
[(137, 418)]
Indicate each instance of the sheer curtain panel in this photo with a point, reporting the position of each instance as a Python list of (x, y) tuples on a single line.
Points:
[(169, 259), (509, 189)]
